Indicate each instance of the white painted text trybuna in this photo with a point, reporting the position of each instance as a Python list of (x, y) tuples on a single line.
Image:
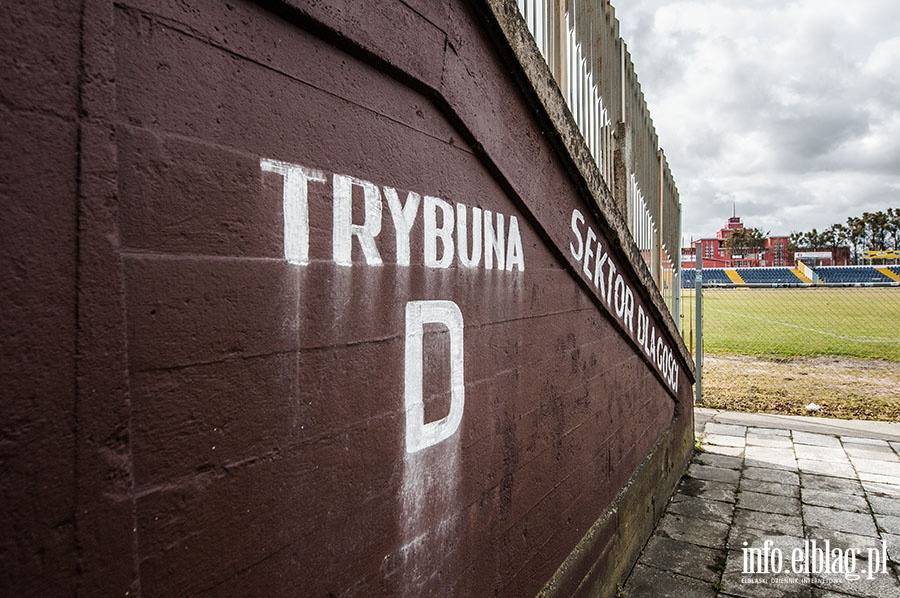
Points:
[(450, 235)]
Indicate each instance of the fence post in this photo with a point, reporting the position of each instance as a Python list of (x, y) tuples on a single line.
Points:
[(698, 326)]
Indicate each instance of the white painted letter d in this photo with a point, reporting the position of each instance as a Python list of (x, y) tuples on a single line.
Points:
[(419, 434)]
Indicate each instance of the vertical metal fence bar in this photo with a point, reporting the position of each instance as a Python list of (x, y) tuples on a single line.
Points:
[(570, 32), (595, 74), (592, 129), (540, 20), (698, 325), (545, 20)]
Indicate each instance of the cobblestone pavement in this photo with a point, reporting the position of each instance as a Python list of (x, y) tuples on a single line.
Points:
[(780, 506)]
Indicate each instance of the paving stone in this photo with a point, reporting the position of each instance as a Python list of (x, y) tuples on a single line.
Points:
[(711, 534), (795, 487), (764, 474), (835, 500), (723, 461), (845, 440), (767, 453), (725, 429), (885, 505), (820, 453), (888, 523), (843, 540), (761, 585), (819, 482), (768, 432), (724, 440), (881, 489), (769, 503), (784, 525), (877, 453), (885, 468), (879, 478), (816, 439), (780, 463), (716, 474), (770, 441), (776, 458), (750, 485), (829, 541), (722, 491), (839, 470), (757, 538), (684, 558), (731, 451), (893, 546), (701, 508), (820, 593), (883, 585), (649, 581), (843, 521)]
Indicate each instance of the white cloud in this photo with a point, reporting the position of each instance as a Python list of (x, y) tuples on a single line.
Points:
[(789, 110), (882, 62)]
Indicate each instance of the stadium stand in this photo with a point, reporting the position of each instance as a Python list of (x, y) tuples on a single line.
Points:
[(733, 275), (716, 276), (788, 276), (711, 277), (768, 276), (850, 274)]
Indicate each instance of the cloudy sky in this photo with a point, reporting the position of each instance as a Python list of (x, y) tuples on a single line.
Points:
[(788, 109)]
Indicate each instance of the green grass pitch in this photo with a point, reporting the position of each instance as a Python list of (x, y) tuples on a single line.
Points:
[(799, 322)]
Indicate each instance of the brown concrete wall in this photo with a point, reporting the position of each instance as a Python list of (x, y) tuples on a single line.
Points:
[(208, 395), (40, 54)]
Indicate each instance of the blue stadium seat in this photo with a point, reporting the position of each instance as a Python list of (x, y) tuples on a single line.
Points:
[(687, 278), (786, 276), (850, 274), (774, 276), (715, 276), (711, 277)]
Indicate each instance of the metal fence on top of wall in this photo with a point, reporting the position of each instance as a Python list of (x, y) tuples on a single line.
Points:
[(581, 43)]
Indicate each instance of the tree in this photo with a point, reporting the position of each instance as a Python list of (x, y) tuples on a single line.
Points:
[(840, 236), (893, 227), (814, 240), (757, 239), (856, 234), (746, 240), (870, 231), (735, 241), (876, 229)]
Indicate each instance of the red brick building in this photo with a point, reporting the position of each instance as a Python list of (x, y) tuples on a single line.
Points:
[(776, 252)]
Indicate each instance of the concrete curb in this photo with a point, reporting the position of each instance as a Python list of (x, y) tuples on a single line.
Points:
[(819, 425)]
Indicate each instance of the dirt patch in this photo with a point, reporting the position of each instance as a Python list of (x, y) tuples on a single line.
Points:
[(842, 387)]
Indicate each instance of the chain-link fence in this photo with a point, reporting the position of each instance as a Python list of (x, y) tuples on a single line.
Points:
[(826, 350)]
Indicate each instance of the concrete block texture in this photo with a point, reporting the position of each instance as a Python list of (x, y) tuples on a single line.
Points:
[(319, 298)]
